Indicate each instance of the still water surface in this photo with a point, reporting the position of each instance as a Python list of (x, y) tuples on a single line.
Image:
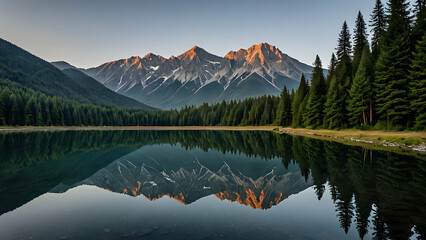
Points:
[(205, 185)]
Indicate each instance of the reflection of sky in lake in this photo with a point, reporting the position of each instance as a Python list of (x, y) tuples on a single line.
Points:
[(93, 212)]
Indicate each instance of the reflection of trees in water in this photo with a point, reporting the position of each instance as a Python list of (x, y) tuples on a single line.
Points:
[(335, 155), (379, 226), (387, 187), (360, 178)]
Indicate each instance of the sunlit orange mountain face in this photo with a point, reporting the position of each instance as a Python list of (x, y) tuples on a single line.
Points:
[(198, 76), (188, 176)]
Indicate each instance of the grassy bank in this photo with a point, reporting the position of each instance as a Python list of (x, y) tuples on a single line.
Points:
[(401, 142)]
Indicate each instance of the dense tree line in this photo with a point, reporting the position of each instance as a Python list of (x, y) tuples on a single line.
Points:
[(25, 107), (22, 106), (384, 88)]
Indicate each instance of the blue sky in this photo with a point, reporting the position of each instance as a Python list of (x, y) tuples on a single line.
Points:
[(89, 33)]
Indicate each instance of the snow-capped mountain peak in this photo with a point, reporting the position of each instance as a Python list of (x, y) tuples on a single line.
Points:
[(197, 76)]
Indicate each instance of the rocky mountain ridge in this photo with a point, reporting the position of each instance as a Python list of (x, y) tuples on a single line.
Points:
[(197, 76)]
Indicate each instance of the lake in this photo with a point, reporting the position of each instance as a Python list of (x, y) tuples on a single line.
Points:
[(205, 185)]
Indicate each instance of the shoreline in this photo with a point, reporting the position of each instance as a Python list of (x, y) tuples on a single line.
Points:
[(385, 140), (108, 128), (371, 139)]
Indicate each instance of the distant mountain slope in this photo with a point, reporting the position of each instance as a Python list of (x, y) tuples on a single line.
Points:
[(62, 65), (29, 71), (197, 76), (93, 87)]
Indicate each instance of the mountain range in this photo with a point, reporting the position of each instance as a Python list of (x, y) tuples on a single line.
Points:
[(196, 76)]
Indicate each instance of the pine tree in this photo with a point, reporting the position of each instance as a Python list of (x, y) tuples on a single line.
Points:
[(418, 84), (244, 122), (361, 91), (76, 117), (29, 112), (266, 116), (39, 117), (378, 25), (392, 69), (338, 92), (238, 115), (90, 120), (54, 113), (331, 70), (280, 109), (6, 104), (360, 41), (420, 21), (334, 111), (15, 115), (287, 114), (301, 92), (67, 116), (252, 115), (21, 106), (344, 51), (316, 101), (2, 113), (302, 110), (288, 111), (49, 118), (344, 46), (284, 110)]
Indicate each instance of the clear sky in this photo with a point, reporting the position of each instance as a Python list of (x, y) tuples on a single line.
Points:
[(87, 33)]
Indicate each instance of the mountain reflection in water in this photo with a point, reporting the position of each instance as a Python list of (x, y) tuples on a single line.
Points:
[(187, 176), (375, 194)]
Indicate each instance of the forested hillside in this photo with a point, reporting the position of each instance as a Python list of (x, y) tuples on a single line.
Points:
[(25, 70)]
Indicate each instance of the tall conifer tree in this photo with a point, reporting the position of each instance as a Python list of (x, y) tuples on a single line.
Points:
[(344, 61), (360, 41), (2, 113), (334, 111), (287, 111), (392, 69), (420, 21), (298, 107), (331, 70), (360, 100), (418, 84), (280, 110), (344, 46), (337, 94), (378, 25), (315, 108)]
